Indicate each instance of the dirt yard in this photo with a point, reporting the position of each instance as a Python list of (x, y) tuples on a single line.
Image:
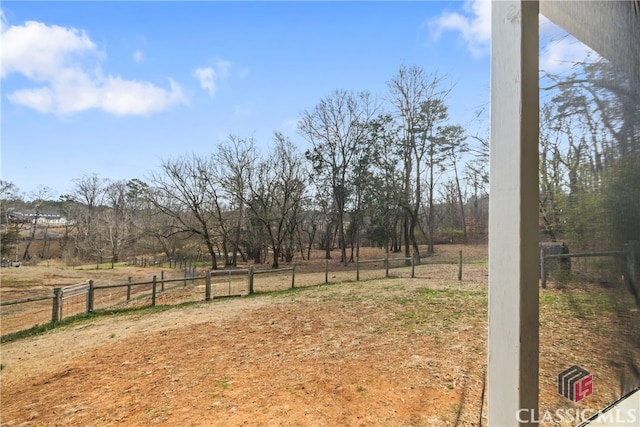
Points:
[(383, 352)]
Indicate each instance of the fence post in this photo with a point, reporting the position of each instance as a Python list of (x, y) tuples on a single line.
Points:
[(413, 265), (229, 282), (460, 265), (162, 281), (57, 302), (250, 280), (129, 289), (326, 271), (153, 292), (185, 277), (90, 297), (207, 286), (357, 268), (293, 276), (386, 263), (193, 274)]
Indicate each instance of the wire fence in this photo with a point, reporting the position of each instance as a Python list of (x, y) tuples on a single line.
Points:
[(189, 285)]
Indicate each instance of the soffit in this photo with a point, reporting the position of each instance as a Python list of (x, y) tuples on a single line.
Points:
[(611, 28)]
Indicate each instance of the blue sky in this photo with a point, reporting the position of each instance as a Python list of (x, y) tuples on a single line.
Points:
[(113, 88)]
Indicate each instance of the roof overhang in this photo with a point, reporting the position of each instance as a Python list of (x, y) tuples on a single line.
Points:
[(611, 28)]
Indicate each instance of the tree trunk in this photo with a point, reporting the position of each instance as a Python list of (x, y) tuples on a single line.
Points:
[(236, 241), (341, 238), (430, 216), (32, 236), (276, 258), (463, 221), (212, 253)]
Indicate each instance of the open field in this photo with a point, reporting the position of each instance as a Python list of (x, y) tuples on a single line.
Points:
[(380, 352), (36, 280)]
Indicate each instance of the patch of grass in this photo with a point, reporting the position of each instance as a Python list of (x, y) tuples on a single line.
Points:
[(431, 307), (424, 304), (16, 282), (46, 327), (224, 383), (582, 304), (146, 309), (283, 292)]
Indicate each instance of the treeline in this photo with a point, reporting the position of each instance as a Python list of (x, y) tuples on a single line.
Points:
[(390, 171), (590, 157), (386, 172)]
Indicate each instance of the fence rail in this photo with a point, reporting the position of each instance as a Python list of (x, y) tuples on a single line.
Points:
[(23, 300), (629, 256), (88, 289)]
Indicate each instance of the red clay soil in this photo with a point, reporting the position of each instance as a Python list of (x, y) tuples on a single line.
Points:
[(347, 355), (384, 352)]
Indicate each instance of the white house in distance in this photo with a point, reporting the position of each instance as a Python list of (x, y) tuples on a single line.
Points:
[(44, 219)]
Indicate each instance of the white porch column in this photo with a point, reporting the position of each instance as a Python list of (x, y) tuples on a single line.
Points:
[(513, 220)]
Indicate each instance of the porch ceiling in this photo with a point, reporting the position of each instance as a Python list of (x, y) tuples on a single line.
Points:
[(611, 28)]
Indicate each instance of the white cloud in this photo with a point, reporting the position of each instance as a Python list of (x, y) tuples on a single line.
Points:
[(138, 55), (559, 51), (65, 62), (207, 78), (474, 26), (210, 76), (39, 51), (41, 99)]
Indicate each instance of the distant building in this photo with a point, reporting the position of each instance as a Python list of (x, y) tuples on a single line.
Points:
[(40, 219)]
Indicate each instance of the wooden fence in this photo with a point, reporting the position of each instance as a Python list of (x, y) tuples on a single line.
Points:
[(157, 285)]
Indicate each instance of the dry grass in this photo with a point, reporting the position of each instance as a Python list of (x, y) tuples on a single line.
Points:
[(385, 351)]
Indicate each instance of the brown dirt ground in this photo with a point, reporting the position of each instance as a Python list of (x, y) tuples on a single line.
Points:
[(384, 352)]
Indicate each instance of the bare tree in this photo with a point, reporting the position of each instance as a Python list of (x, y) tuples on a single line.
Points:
[(185, 192), (591, 125), (118, 218), (276, 191), (337, 129), (453, 138), (418, 99), (89, 196), (235, 162), (8, 190), (39, 196)]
